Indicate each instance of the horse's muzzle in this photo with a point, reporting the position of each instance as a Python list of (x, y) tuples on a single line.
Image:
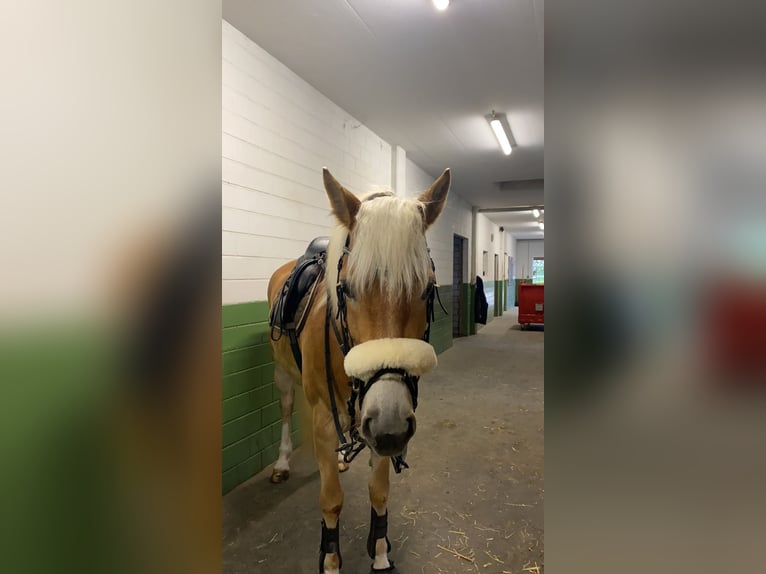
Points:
[(389, 444)]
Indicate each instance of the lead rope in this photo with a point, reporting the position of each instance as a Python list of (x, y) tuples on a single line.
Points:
[(331, 388), (349, 449)]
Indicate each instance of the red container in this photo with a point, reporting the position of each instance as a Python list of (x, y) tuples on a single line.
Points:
[(531, 304), (735, 337)]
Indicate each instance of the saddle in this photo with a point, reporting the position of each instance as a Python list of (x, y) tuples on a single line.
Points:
[(289, 311)]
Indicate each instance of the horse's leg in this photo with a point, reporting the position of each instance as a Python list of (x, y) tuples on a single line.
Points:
[(378, 545), (284, 382), (330, 494)]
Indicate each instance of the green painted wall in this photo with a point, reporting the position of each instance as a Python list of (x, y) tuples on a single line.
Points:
[(471, 307), (498, 300), (441, 328), (467, 326), (496, 293), (251, 417)]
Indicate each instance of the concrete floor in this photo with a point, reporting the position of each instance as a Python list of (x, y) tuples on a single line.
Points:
[(475, 485)]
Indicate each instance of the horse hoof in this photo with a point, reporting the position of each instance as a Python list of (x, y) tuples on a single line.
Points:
[(342, 466), (278, 476)]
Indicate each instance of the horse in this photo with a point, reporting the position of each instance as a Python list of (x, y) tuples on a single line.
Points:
[(363, 340)]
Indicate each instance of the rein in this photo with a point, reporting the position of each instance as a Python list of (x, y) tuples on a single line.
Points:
[(359, 388)]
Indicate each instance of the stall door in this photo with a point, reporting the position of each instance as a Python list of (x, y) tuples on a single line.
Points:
[(457, 285)]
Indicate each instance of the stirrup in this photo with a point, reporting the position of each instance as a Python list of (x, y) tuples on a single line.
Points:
[(378, 530), (330, 544)]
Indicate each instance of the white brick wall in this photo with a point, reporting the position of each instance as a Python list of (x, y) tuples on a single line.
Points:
[(455, 219), (510, 251), (278, 133)]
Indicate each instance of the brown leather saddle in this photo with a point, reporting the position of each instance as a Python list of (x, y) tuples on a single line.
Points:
[(290, 309)]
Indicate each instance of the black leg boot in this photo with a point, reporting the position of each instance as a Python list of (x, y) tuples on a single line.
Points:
[(378, 530), (330, 544)]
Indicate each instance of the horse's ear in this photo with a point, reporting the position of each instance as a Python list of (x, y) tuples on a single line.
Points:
[(435, 197), (344, 203)]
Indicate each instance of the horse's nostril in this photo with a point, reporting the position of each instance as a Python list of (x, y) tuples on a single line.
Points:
[(366, 426)]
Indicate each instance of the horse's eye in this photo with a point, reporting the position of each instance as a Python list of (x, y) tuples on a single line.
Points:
[(346, 290)]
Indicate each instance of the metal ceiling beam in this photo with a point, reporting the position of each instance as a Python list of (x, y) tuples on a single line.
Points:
[(515, 208)]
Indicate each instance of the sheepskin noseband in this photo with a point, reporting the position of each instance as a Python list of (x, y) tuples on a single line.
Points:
[(413, 355)]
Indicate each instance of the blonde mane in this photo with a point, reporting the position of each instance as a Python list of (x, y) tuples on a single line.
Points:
[(388, 244)]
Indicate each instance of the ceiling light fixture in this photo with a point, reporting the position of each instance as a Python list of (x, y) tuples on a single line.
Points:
[(535, 213), (542, 225), (441, 4), (502, 130)]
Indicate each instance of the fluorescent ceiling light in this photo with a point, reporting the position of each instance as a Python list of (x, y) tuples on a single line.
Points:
[(535, 213), (501, 136), (542, 225), (441, 4), (502, 131)]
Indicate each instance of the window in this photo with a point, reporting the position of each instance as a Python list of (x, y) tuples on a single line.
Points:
[(538, 270), (484, 264)]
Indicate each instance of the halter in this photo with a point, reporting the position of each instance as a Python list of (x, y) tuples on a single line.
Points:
[(359, 388)]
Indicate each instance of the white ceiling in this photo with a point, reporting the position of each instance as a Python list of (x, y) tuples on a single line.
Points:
[(424, 79), (520, 224)]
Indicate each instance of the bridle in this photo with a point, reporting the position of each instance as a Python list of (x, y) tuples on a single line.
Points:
[(359, 388)]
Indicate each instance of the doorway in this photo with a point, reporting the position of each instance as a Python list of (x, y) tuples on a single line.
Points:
[(459, 326), (511, 291), (498, 296)]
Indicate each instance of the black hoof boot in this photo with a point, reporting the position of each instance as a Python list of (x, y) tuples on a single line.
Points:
[(390, 570), (330, 544), (378, 530)]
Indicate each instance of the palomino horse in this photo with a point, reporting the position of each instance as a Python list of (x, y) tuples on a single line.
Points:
[(362, 340)]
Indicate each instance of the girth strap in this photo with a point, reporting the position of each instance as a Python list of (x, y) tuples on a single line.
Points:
[(330, 544), (294, 346), (378, 530)]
